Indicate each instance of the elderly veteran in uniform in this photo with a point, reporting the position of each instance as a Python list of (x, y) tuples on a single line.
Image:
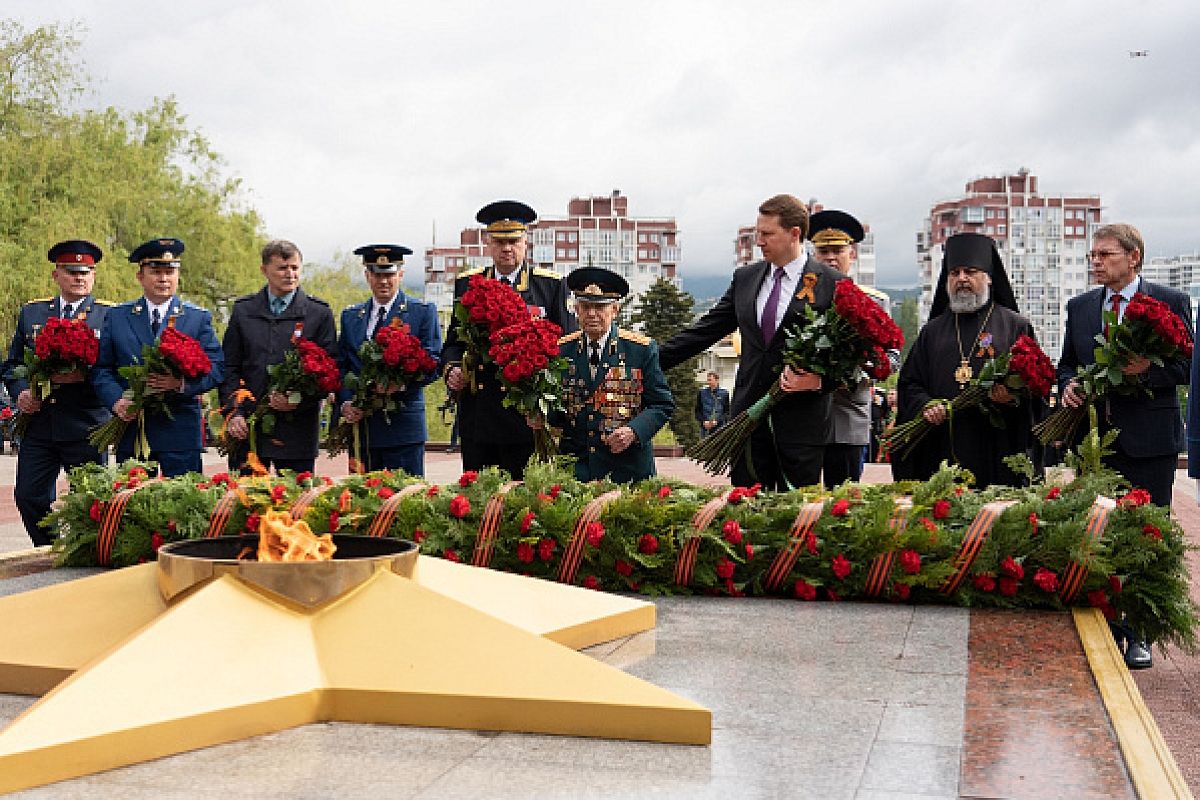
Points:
[(491, 434), (395, 440), (835, 236), (263, 328), (617, 397), (175, 440), (56, 438)]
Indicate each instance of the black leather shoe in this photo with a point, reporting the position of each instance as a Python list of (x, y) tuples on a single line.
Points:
[(1137, 655)]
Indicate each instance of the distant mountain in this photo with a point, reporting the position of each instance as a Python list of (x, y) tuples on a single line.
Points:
[(899, 295), (705, 287)]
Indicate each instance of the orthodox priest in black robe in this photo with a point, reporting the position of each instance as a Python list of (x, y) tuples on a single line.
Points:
[(974, 315)]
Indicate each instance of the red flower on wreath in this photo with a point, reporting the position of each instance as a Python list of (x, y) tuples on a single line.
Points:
[(941, 509), (334, 520), (1054, 493), (732, 531), (452, 555), (810, 542), (1114, 584), (432, 491), (252, 522), (749, 552), (527, 521), (804, 590), (1152, 531), (902, 590), (910, 561), (840, 508), (623, 567), (1012, 568), (303, 477), (546, 549), (467, 478), (1009, 586), (277, 492), (460, 506), (841, 566), (385, 492), (984, 582), (724, 568), (591, 582), (1135, 498), (664, 492), (648, 544), (156, 541), (525, 552), (96, 510), (554, 491), (1046, 580), (1033, 521), (594, 533), (418, 535)]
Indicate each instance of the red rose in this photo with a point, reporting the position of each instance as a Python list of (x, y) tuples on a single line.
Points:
[(451, 555), (385, 492), (840, 508), (334, 520), (418, 535), (910, 561), (1152, 531), (1114, 584), (525, 552), (648, 544), (902, 591), (594, 533), (527, 521), (664, 492), (804, 590), (623, 567), (841, 566), (984, 582), (460, 506), (156, 541), (1054, 492), (1046, 580), (467, 478), (941, 509), (98, 508), (546, 549), (732, 531), (1008, 586), (725, 568), (1011, 568), (591, 582)]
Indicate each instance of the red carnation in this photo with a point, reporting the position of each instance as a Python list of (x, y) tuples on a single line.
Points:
[(941, 509), (467, 478), (546, 549), (554, 491), (1012, 568), (623, 567), (525, 552), (910, 561), (749, 552), (418, 535), (1033, 521), (803, 589), (724, 568), (1135, 498), (527, 521), (664, 492), (1114, 584), (1008, 586), (432, 491), (984, 582), (96, 510), (1046, 580), (648, 544), (732, 531), (385, 492), (1054, 492), (156, 541), (591, 582), (594, 533), (252, 522), (452, 555), (841, 566), (902, 590), (460, 506), (1152, 531), (334, 520), (277, 492), (841, 507)]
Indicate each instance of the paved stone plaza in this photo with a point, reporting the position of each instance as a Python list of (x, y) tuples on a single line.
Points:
[(821, 700)]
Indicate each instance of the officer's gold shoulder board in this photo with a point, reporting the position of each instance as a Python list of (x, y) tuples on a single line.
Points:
[(106, 303), (546, 273), (470, 272), (633, 336), (41, 300), (570, 337)]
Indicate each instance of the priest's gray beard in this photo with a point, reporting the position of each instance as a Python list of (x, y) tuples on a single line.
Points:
[(968, 302)]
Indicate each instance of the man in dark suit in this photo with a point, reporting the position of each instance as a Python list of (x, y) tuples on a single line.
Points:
[(491, 434), (56, 438), (174, 440), (395, 440), (712, 405), (1150, 429), (616, 394), (763, 301), (263, 327)]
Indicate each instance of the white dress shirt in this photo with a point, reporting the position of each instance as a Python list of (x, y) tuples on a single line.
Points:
[(787, 289)]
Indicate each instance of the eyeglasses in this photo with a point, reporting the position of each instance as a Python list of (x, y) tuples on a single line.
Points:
[(1101, 255)]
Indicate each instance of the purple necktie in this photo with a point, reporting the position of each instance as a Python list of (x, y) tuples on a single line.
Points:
[(771, 308)]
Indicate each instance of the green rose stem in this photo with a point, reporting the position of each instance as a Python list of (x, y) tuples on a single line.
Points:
[(720, 450)]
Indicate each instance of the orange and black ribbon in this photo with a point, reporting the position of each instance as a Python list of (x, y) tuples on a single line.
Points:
[(1076, 572), (110, 522), (489, 526), (782, 566), (972, 543), (685, 565), (881, 568), (382, 521), (573, 556)]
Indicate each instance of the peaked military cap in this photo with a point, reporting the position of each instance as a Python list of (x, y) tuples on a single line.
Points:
[(506, 219), (832, 228), (597, 285), (75, 255), (383, 259), (157, 253)]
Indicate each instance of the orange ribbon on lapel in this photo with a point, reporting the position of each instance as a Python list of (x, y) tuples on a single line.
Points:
[(806, 291)]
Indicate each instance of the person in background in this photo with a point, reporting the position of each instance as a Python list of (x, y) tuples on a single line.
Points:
[(712, 405)]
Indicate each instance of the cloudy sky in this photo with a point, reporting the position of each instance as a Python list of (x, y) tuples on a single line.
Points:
[(375, 119)]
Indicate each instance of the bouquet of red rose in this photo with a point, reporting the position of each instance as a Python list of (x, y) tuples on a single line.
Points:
[(843, 345), (1025, 370), (306, 371), (531, 372), (175, 354), (1149, 329), (64, 348), (484, 308), (391, 361)]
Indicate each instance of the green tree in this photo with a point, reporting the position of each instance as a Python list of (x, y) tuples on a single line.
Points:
[(117, 178), (340, 284), (663, 311), (906, 318)]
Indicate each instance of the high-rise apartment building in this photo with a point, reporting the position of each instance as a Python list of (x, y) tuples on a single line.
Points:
[(597, 231), (1179, 272), (1043, 241), (862, 270)]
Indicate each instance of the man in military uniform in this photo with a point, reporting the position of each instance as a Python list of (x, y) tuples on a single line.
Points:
[(263, 327), (175, 441), (616, 394), (57, 436), (491, 434), (395, 440)]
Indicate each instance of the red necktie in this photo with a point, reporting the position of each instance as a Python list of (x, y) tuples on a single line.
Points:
[(1117, 299)]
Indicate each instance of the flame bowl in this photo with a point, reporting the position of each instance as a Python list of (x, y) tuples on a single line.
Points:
[(185, 566)]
